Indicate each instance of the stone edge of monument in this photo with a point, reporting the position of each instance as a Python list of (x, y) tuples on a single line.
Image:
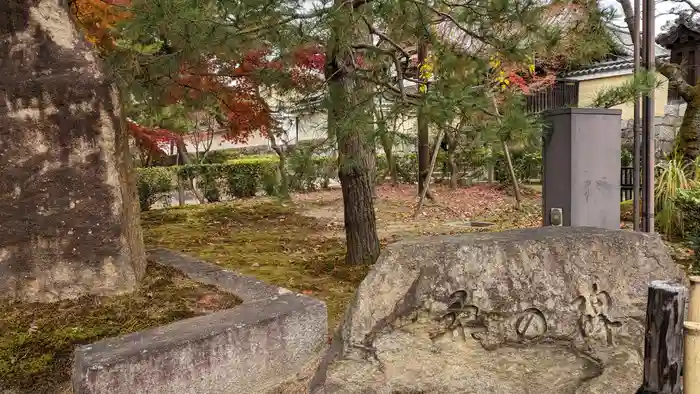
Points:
[(250, 348), (336, 349)]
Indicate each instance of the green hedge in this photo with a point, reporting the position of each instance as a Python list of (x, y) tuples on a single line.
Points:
[(527, 165), (241, 178), (153, 184), (245, 177), (407, 167), (238, 178)]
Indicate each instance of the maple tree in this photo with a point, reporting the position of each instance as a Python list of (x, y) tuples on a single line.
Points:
[(231, 84)]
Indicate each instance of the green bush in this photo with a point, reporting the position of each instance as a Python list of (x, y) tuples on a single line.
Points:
[(153, 184), (244, 177), (671, 178), (526, 165), (407, 165), (271, 183), (688, 204), (626, 157), (308, 172), (240, 178), (303, 173)]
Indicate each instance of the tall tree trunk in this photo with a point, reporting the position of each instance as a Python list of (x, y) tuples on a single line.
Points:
[(388, 145), (454, 170), (354, 150), (423, 129), (281, 166), (688, 137), (452, 160), (184, 159), (511, 171), (688, 140), (431, 166), (423, 149)]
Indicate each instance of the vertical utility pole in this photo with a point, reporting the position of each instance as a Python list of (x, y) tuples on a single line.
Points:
[(636, 129), (649, 17)]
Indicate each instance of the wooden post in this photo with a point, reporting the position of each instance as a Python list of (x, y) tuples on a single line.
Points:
[(691, 359), (663, 346)]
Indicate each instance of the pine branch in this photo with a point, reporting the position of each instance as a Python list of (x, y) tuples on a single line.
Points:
[(675, 78), (386, 38), (641, 85), (452, 19)]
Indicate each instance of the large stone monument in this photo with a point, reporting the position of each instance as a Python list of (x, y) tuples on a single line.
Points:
[(547, 311), (68, 212)]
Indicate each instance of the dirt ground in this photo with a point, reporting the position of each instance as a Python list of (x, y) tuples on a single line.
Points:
[(451, 212)]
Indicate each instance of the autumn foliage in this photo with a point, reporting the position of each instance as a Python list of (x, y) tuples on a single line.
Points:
[(98, 19), (234, 85)]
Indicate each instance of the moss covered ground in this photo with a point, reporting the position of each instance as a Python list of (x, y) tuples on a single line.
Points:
[(37, 340), (263, 238)]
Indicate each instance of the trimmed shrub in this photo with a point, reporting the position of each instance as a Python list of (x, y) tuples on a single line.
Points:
[(244, 177), (153, 184), (240, 178)]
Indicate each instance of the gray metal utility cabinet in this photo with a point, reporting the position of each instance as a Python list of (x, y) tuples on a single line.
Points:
[(581, 160)]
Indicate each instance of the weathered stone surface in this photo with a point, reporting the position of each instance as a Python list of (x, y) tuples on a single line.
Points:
[(252, 348), (665, 130), (548, 310), (68, 207)]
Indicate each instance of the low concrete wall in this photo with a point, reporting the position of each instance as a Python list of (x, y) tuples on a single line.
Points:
[(251, 348)]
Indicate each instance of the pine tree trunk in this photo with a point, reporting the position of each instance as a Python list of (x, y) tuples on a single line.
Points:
[(454, 170), (433, 158), (354, 138), (423, 130), (387, 144), (360, 222), (452, 161), (423, 150), (511, 171), (688, 138), (281, 166), (372, 164), (284, 176), (689, 133)]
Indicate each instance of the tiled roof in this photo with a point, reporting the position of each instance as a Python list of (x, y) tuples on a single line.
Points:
[(683, 25), (608, 66)]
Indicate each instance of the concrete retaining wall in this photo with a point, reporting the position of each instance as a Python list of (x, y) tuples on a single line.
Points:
[(251, 348)]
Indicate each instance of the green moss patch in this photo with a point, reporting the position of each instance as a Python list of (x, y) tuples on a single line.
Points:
[(265, 239), (37, 340)]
